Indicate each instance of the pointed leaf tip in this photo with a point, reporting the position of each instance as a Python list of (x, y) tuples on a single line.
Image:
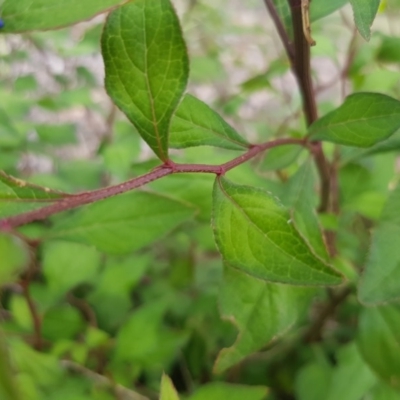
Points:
[(255, 234)]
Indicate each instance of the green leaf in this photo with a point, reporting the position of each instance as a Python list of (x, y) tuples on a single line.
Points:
[(43, 368), (322, 8), (144, 340), (17, 196), (28, 15), (14, 257), (299, 195), (381, 279), (260, 310), (56, 134), (362, 120), (379, 341), (168, 391), (255, 234), (222, 390), (66, 265), (352, 378), (146, 67), (196, 124), (312, 381), (124, 223), (61, 322), (364, 15), (279, 157), (389, 50), (384, 392), (283, 10), (8, 388)]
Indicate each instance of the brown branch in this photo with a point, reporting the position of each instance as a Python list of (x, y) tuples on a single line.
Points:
[(36, 320), (168, 168), (302, 71), (314, 332)]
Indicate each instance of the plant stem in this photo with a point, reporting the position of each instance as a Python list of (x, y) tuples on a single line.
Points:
[(168, 168)]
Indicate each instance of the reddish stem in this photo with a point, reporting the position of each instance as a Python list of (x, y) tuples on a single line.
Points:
[(80, 199)]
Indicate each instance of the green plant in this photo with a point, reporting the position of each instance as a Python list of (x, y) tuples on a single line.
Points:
[(302, 264)]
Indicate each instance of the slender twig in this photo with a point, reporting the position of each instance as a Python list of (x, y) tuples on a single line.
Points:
[(280, 29), (314, 332), (84, 309), (37, 323), (168, 168)]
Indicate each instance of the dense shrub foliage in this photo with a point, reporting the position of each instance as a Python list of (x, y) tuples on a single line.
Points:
[(199, 199)]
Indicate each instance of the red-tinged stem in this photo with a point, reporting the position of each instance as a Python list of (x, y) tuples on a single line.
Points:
[(80, 199)]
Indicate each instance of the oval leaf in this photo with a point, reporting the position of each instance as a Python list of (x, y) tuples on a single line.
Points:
[(196, 124), (146, 66), (255, 234), (361, 121), (29, 15)]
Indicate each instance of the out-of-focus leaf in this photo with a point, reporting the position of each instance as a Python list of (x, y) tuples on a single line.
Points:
[(364, 15), (146, 67), (196, 124), (381, 279), (29, 15), (144, 341), (260, 310), (352, 378), (17, 196), (384, 392), (255, 234), (279, 157), (14, 257), (43, 368), (8, 388), (168, 391), (379, 341), (389, 50), (312, 381), (222, 390), (66, 265), (322, 8), (56, 134), (61, 322), (124, 223), (363, 120)]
